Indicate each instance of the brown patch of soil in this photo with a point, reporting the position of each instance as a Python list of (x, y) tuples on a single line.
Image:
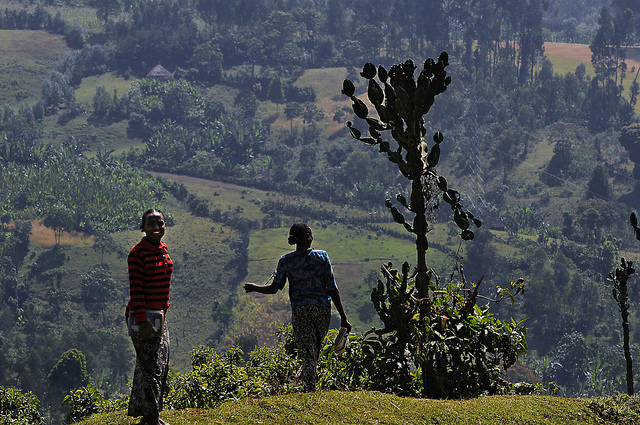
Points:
[(582, 52), (43, 237)]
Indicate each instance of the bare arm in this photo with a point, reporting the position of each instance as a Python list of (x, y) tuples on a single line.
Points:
[(263, 289)]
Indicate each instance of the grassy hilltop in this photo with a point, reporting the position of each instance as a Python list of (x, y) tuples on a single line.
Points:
[(376, 408)]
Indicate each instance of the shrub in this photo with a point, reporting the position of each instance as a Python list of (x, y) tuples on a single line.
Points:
[(87, 401), (17, 408), (75, 35), (70, 372), (218, 377)]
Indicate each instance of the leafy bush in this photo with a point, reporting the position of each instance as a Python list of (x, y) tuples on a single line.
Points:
[(218, 377), (88, 400), (459, 350), (75, 35), (17, 408), (161, 100)]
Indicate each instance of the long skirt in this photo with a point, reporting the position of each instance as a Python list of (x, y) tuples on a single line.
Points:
[(310, 326), (150, 376)]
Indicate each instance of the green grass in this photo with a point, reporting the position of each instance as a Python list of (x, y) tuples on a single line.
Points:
[(376, 408), (106, 134), (110, 81), (563, 65), (25, 58)]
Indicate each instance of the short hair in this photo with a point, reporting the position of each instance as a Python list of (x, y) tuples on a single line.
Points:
[(298, 232), (149, 212)]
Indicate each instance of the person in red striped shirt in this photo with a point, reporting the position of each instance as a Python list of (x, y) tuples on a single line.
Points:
[(150, 269)]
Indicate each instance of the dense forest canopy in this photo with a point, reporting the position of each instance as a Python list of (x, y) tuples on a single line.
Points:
[(562, 227)]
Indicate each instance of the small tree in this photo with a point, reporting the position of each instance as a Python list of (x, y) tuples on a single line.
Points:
[(247, 101), (102, 242), (58, 218), (98, 287), (448, 336), (599, 184), (293, 110), (311, 114), (630, 139)]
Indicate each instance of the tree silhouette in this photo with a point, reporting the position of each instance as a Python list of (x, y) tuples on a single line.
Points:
[(401, 107), (58, 218), (425, 323)]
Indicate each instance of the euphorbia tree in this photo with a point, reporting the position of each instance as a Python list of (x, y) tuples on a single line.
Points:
[(401, 103), (458, 346)]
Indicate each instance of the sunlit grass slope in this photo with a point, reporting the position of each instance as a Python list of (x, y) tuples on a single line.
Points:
[(565, 57)]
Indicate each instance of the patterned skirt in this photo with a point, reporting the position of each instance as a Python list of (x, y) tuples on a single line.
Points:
[(150, 376), (310, 326)]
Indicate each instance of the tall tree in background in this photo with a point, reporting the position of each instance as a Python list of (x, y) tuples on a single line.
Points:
[(338, 17), (435, 30), (605, 105), (531, 39), (107, 8), (608, 47)]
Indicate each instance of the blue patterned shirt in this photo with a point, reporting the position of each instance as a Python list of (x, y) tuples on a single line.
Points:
[(310, 277)]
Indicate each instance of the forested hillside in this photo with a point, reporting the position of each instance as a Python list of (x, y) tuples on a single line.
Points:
[(241, 132)]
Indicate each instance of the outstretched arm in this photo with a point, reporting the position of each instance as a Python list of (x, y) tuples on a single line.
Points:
[(335, 296), (263, 289)]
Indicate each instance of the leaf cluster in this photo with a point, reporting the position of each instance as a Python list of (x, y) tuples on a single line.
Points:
[(218, 377), (19, 408)]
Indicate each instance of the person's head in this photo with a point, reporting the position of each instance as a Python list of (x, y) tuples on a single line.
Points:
[(300, 235), (153, 225)]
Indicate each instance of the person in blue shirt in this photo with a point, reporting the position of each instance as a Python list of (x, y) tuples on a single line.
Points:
[(312, 287)]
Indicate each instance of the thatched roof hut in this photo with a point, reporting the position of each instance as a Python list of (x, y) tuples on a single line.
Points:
[(160, 73)]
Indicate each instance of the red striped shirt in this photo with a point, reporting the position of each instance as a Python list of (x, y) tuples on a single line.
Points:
[(150, 270)]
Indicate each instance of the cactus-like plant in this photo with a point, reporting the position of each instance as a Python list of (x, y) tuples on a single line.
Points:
[(401, 102), (458, 347)]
